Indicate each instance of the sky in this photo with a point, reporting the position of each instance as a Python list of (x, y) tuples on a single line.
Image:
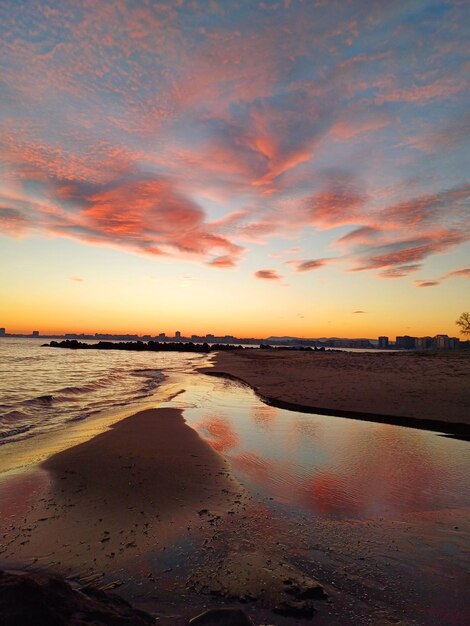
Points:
[(287, 167)]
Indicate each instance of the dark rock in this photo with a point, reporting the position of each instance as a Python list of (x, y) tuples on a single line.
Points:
[(292, 608), (221, 617), (308, 591), (37, 600)]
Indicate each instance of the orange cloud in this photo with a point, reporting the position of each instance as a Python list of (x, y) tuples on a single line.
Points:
[(222, 261)]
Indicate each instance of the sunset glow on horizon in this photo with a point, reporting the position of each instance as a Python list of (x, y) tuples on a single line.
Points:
[(234, 167)]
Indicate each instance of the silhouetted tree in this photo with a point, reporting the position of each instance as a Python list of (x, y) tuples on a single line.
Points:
[(464, 323)]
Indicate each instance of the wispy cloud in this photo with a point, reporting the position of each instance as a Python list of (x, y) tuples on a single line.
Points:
[(463, 273), (307, 266)]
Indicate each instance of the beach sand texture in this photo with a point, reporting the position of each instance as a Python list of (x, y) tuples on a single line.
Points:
[(108, 509), (419, 386), (112, 505), (129, 490)]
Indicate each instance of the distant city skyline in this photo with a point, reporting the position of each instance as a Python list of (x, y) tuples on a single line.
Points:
[(438, 340)]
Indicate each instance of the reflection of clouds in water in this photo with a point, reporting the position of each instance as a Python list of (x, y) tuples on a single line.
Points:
[(277, 477), (308, 429), (333, 466), (263, 416), (221, 435), (328, 493), (377, 470)]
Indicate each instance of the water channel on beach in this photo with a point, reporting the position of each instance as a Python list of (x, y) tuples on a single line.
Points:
[(377, 510)]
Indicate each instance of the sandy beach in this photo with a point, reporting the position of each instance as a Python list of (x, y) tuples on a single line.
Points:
[(424, 390), (107, 510), (135, 487), (150, 509)]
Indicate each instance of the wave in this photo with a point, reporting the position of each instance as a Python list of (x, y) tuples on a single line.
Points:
[(14, 415), (41, 400), (11, 432), (149, 373), (76, 402), (99, 383)]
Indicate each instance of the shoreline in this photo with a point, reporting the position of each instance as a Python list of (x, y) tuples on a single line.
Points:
[(150, 509), (457, 430), (251, 370), (133, 487), (117, 511)]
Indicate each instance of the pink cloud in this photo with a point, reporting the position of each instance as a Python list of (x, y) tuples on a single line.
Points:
[(444, 137), (360, 236), (463, 273), (345, 130), (339, 205), (76, 279), (154, 217), (307, 266), (136, 126), (223, 261), (428, 208), (267, 275), (400, 271), (407, 251), (426, 283), (13, 222), (441, 88)]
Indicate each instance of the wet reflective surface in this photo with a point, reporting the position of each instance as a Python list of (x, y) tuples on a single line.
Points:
[(330, 466), (378, 513)]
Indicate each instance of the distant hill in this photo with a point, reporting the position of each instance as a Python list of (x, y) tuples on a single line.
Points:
[(320, 339)]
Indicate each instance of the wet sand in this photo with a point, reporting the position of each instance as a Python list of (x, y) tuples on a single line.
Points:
[(420, 390), (149, 508), (110, 511), (131, 489)]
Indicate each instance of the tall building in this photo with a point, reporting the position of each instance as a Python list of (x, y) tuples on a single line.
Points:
[(2, 332), (383, 342), (423, 343), (441, 342), (406, 342), (35, 333), (177, 335)]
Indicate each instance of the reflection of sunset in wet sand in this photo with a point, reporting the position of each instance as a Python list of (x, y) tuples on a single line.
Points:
[(331, 466), (220, 433), (263, 416)]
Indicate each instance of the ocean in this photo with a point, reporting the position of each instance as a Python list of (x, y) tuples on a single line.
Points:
[(43, 389)]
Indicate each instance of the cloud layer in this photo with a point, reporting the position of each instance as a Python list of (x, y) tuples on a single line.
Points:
[(203, 130)]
